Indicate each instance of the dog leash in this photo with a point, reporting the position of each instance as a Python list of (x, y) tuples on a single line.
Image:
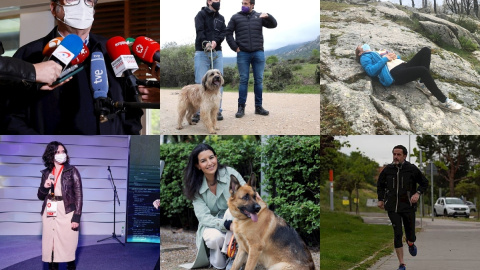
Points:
[(204, 46)]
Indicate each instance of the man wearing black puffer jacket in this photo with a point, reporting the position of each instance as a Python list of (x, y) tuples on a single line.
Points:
[(398, 194), (248, 43)]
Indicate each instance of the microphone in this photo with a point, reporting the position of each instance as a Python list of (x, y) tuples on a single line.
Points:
[(68, 49), (123, 63), (77, 61), (51, 46), (52, 186), (109, 169), (147, 49), (99, 83)]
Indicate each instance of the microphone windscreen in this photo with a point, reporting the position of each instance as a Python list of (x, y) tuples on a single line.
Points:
[(145, 48), (81, 56), (68, 49), (98, 76), (51, 46), (117, 46)]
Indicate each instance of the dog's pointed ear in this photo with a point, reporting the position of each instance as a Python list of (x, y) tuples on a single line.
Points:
[(252, 181), (234, 184)]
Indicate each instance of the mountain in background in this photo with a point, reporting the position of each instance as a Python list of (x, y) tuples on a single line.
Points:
[(299, 50)]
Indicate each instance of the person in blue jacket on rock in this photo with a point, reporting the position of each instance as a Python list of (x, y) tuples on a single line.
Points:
[(390, 69)]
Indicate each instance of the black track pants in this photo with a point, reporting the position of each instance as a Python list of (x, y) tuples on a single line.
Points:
[(408, 219), (418, 67)]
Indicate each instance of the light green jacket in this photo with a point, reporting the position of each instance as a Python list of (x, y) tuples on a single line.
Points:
[(209, 209)]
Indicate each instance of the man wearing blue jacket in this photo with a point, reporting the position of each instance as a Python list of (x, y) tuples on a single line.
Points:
[(248, 43)]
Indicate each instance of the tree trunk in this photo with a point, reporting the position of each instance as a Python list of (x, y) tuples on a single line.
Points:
[(400, 2), (435, 6), (358, 200), (475, 8), (413, 3), (350, 200)]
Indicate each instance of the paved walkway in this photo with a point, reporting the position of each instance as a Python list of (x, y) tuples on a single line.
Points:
[(444, 244)]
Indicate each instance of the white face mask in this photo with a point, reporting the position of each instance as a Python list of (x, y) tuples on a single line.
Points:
[(78, 16), (61, 158)]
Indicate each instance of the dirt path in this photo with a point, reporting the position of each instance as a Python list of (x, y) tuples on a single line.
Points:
[(290, 114)]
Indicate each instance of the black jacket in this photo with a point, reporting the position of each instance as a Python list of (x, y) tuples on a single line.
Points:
[(69, 109), (397, 184), (71, 191), (248, 29), (210, 26), (16, 73)]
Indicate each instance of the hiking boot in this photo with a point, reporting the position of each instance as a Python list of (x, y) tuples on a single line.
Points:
[(260, 110), (196, 117), (412, 249), (402, 267), (420, 86), (451, 105), (219, 116), (241, 111)]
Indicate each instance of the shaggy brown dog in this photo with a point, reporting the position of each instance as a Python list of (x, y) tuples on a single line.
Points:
[(205, 96), (261, 235)]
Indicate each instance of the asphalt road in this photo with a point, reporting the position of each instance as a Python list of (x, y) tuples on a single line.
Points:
[(443, 245), (290, 114)]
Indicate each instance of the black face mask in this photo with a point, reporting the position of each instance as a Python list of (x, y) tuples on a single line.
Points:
[(216, 6)]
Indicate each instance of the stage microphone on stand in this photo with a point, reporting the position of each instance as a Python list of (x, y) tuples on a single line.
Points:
[(99, 83), (124, 63)]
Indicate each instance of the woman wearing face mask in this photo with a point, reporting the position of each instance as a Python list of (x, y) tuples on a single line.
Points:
[(210, 28), (61, 192), (206, 184), (390, 69)]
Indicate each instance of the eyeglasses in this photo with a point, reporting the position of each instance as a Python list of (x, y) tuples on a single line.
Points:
[(89, 3)]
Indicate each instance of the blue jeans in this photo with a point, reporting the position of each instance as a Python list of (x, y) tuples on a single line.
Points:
[(257, 60), (203, 64)]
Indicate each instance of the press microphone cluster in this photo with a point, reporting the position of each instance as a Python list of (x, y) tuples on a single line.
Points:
[(147, 49), (124, 63), (99, 84)]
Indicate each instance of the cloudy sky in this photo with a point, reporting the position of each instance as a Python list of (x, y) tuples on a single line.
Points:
[(298, 21), (379, 147)]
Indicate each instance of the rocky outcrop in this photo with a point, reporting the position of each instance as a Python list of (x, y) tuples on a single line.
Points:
[(371, 108), (445, 34), (457, 30)]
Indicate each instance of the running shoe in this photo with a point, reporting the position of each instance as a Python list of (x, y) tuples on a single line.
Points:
[(412, 249), (402, 267), (423, 88), (451, 105)]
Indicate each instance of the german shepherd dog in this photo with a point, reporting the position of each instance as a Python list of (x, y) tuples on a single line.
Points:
[(262, 236)]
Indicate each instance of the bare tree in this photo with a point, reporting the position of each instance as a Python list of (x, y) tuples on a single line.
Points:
[(475, 7)]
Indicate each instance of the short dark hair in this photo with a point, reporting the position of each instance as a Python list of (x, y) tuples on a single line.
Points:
[(252, 2), (401, 147)]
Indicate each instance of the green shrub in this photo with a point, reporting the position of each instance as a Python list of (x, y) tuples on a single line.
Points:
[(176, 66), (292, 179), (281, 76), (467, 44), (230, 76), (466, 23), (317, 74)]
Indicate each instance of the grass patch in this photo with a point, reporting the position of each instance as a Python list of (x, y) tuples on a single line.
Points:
[(332, 118), (326, 18), (358, 20), (334, 6), (346, 240)]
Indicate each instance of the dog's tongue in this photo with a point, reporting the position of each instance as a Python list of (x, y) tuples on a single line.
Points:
[(254, 217)]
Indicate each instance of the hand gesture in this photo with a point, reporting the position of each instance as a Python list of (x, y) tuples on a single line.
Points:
[(415, 198), (149, 94), (391, 56), (264, 15)]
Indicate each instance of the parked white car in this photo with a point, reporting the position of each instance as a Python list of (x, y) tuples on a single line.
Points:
[(451, 206)]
